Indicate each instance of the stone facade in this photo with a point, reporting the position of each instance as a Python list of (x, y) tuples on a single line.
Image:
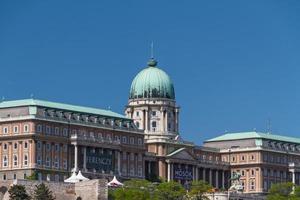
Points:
[(88, 190), (52, 139)]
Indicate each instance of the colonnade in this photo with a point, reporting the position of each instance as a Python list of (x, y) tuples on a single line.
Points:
[(215, 177), (84, 162)]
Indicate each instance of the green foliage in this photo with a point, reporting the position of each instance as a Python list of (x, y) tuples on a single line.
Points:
[(198, 190), (42, 192), (33, 176), (132, 190), (18, 192), (169, 191), (284, 191)]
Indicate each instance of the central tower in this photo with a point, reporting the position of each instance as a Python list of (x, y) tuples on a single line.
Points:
[(152, 103)]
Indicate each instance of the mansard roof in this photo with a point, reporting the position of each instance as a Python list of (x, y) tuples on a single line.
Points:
[(254, 135), (61, 106)]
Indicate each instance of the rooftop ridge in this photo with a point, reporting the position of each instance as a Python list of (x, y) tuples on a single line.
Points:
[(62, 106), (254, 135)]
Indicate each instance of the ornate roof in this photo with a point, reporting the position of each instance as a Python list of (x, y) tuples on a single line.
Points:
[(152, 82), (254, 135), (62, 106)]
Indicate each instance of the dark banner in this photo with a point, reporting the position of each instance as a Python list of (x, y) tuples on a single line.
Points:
[(99, 160), (183, 173)]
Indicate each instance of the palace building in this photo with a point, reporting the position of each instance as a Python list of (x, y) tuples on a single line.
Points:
[(50, 140)]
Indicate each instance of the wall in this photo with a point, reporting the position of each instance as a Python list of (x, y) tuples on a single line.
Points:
[(88, 190)]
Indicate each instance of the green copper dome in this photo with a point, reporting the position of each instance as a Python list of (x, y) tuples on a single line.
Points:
[(152, 82)]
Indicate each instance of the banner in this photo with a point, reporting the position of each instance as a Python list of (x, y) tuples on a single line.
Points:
[(182, 173), (99, 160)]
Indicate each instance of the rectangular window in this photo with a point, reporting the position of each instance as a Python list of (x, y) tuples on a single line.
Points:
[(56, 147), (124, 139), (140, 141), (39, 160), (65, 132), (65, 164), (15, 160), (252, 185), (56, 162), (39, 128), (48, 147), (140, 171), (5, 161), (25, 161), (124, 155), (132, 156), (48, 130), (131, 140), (56, 130), (47, 161), (39, 145), (140, 157)]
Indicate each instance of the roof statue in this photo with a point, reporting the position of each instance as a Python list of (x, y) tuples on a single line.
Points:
[(236, 183)]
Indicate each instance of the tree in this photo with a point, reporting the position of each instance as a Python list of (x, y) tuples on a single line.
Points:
[(42, 192), (284, 191), (132, 190), (169, 191), (18, 192), (198, 190)]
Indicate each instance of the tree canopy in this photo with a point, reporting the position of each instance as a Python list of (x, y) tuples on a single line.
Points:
[(284, 191), (199, 189), (169, 191), (18, 192), (42, 192)]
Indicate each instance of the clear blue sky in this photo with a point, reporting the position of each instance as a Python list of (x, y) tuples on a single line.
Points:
[(235, 64)]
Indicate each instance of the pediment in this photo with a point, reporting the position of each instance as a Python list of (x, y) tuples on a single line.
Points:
[(181, 154)]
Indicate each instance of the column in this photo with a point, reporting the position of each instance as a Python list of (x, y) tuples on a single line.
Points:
[(75, 158), (217, 178), (197, 175), (169, 172), (223, 179), (161, 123), (293, 179), (146, 121), (149, 168), (84, 158), (204, 174), (172, 175), (210, 177), (119, 162), (176, 120), (166, 121), (33, 153), (194, 174)]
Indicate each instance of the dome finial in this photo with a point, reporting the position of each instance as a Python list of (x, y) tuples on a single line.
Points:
[(152, 62), (152, 51)]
